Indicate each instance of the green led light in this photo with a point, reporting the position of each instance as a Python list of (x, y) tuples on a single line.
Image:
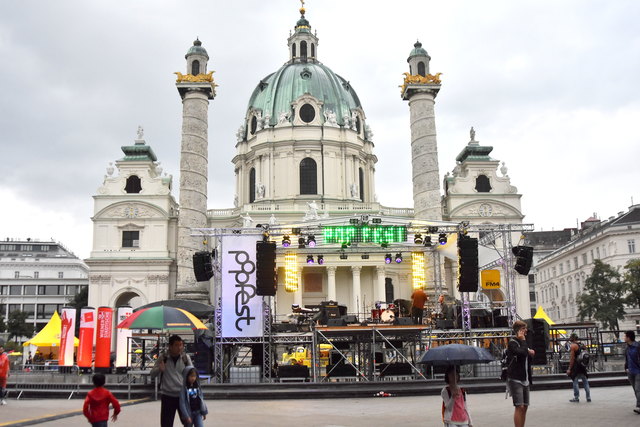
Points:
[(364, 234)]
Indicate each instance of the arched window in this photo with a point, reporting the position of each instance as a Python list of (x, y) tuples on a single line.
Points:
[(307, 113), (133, 184), (361, 176), (482, 184), (313, 50), (308, 176), (252, 185), (254, 125), (195, 68), (303, 50), (421, 69), (293, 50), (358, 124)]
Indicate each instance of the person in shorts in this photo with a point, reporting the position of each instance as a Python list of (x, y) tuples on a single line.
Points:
[(519, 372)]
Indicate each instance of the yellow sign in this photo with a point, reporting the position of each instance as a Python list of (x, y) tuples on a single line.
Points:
[(490, 279)]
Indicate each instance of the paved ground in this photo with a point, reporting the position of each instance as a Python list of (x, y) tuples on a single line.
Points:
[(611, 406)]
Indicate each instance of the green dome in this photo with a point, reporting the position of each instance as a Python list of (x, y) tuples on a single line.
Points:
[(418, 51), (197, 49), (275, 93)]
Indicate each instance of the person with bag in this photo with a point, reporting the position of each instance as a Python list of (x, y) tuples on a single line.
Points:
[(454, 400), (632, 365), (169, 367), (4, 374), (578, 368), (519, 372)]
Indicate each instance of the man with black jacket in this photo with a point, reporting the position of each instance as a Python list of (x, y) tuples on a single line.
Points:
[(519, 372)]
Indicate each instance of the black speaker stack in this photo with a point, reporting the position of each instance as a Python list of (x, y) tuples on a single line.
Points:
[(467, 263), (538, 339), (266, 281), (202, 267)]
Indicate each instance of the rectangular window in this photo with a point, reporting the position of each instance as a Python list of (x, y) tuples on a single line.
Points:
[(3, 310), (16, 274), (72, 290), (26, 247), (575, 263), (553, 271), (591, 253), (561, 268), (584, 259), (598, 252), (30, 290), (60, 275), (7, 247), (29, 309), (15, 290), (532, 278), (631, 243), (14, 307), (41, 289), (36, 274), (130, 239), (4, 290)]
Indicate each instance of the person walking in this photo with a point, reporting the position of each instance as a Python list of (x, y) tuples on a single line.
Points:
[(454, 400), (577, 369), (169, 367), (96, 404), (192, 407), (4, 374), (632, 365), (418, 298), (519, 372)]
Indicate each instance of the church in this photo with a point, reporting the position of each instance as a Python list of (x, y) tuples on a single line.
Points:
[(304, 167)]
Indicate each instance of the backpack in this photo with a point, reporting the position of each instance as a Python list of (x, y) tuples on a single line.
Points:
[(464, 396), (583, 357), (505, 363)]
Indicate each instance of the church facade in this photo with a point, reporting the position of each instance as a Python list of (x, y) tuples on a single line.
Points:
[(304, 163)]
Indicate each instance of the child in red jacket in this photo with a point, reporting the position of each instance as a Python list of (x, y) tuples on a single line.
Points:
[(96, 404)]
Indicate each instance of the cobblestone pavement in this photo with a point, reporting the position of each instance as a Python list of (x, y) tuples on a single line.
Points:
[(611, 406)]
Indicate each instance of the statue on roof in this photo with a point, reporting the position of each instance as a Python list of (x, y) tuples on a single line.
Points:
[(472, 134), (140, 132)]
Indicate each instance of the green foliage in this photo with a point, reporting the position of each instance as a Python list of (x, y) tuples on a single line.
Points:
[(631, 280), (81, 299), (604, 296), (3, 325), (17, 325)]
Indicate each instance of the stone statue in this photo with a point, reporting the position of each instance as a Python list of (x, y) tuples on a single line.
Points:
[(259, 120), (140, 133), (472, 134), (273, 220), (354, 120), (246, 221), (266, 120), (312, 213), (260, 190), (240, 133), (235, 201), (283, 117), (503, 169), (368, 134), (347, 121), (110, 169), (158, 168), (330, 117), (354, 189)]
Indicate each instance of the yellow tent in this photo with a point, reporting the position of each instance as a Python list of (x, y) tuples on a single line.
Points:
[(541, 314), (49, 336)]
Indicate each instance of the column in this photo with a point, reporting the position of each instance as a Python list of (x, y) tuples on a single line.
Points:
[(380, 294), (356, 298), (331, 283), (297, 296)]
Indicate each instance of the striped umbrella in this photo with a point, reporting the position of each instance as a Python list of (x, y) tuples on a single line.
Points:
[(161, 317)]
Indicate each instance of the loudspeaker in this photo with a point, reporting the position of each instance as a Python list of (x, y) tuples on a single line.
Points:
[(348, 319), (444, 324), (266, 283), (202, 268), (403, 321), (524, 259), (467, 264), (293, 371), (337, 322), (538, 339)]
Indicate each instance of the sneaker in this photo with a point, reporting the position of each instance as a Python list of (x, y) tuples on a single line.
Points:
[(4, 402), (574, 400), (588, 399), (637, 410)]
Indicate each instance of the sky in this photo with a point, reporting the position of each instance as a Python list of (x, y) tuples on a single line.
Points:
[(553, 86)]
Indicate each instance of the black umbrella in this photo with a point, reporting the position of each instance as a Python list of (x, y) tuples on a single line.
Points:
[(201, 311), (456, 354)]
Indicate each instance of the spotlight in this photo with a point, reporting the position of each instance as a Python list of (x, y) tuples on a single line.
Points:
[(320, 259), (311, 241), (427, 240), (432, 230), (302, 242), (376, 220), (364, 256), (296, 231), (384, 244), (353, 221), (442, 239), (343, 256), (417, 239), (286, 241), (387, 259), (310, 259), (398, 258), (344, 245)]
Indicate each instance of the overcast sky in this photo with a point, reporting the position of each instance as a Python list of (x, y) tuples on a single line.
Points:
[(553, 86)]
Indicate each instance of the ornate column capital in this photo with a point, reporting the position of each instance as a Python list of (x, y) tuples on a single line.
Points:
[(380, 269), (355, 269), (331, 269)]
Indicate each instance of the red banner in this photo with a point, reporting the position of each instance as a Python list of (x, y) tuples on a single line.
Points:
[(103, 337), (67, 337), (87, 330)]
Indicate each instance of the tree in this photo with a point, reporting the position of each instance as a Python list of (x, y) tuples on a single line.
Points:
[(81, 299), (631, 280), (18, 326), (3, 325), (604, 296)]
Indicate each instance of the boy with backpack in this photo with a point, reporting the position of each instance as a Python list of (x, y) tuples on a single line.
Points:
[(454, 400), (578, 362)]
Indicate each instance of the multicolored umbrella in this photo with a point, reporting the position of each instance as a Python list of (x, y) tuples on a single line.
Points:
[(161, 317)]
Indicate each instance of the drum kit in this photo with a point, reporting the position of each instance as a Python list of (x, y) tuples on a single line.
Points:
[(383, 313)]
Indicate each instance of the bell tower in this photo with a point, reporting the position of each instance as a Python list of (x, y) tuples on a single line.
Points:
[(421, 88), (196, 88)]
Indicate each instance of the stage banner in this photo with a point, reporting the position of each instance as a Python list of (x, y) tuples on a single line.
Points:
[(103, 337), (490, 279), (123, 357), (87, 330), (241, 307), (67, 335)]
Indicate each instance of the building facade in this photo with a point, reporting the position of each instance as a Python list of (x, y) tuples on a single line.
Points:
[(39, 278), (560, 276)]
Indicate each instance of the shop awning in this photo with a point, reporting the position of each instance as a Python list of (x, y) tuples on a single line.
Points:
[(49, 336)]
